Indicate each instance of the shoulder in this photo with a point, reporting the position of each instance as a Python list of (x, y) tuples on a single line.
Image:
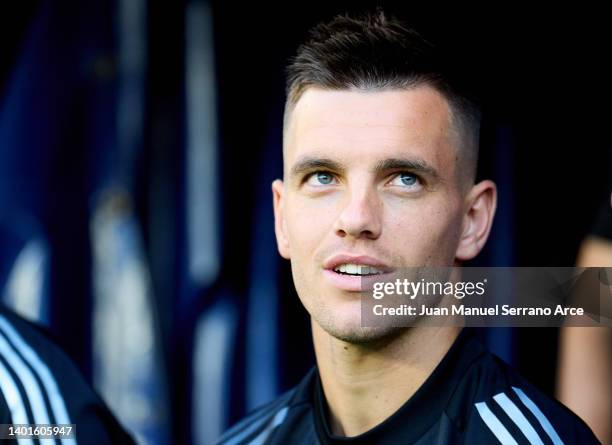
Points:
[(503, 405), (40, 384), (265, 417), (285, 411)]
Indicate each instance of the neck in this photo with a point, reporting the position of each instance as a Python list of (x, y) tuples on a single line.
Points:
[(366, 384)]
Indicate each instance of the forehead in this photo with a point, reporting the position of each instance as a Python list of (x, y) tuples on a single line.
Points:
[(353, 124)]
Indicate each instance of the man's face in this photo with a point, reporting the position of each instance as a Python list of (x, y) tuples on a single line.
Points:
[(370, 180)]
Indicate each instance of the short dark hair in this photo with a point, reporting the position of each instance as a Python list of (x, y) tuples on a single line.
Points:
[(374, 51)]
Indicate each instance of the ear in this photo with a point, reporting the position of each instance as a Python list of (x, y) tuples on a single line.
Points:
[(282, 242), (481, 202)]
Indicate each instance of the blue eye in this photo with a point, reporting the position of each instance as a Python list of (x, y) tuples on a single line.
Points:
[(408, 179), (321, 178), (324, 178)]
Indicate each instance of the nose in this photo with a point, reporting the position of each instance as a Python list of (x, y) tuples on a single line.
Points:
[(360, 216)]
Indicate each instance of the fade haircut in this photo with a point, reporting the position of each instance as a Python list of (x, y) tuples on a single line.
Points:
[(376, 52)]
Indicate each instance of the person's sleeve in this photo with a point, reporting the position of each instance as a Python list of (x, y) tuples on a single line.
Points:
[(46, 384)]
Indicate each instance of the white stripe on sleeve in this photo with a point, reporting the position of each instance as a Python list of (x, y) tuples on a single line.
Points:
[(518, 418), (44, 373), (496, 427)]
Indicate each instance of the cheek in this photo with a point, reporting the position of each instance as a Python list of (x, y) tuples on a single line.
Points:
[(424, 232), (309, 221)]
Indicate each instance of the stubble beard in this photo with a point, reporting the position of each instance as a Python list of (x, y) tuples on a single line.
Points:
[(356, 334)]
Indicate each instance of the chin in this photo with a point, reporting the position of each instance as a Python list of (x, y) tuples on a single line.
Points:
[(354, 333)]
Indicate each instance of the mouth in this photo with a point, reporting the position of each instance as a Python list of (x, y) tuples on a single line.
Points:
[(355, 273), (359, 270)]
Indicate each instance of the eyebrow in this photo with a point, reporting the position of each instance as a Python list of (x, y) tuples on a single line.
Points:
[(417, 165), (308, 164)]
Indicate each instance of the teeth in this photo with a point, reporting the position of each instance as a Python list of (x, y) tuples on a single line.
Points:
[(357, 269)]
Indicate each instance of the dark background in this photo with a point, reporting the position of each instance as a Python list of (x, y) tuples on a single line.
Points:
[(544, 85)]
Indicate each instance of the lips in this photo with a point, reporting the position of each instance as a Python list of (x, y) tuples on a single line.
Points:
[(355, 273), (360, 260)]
